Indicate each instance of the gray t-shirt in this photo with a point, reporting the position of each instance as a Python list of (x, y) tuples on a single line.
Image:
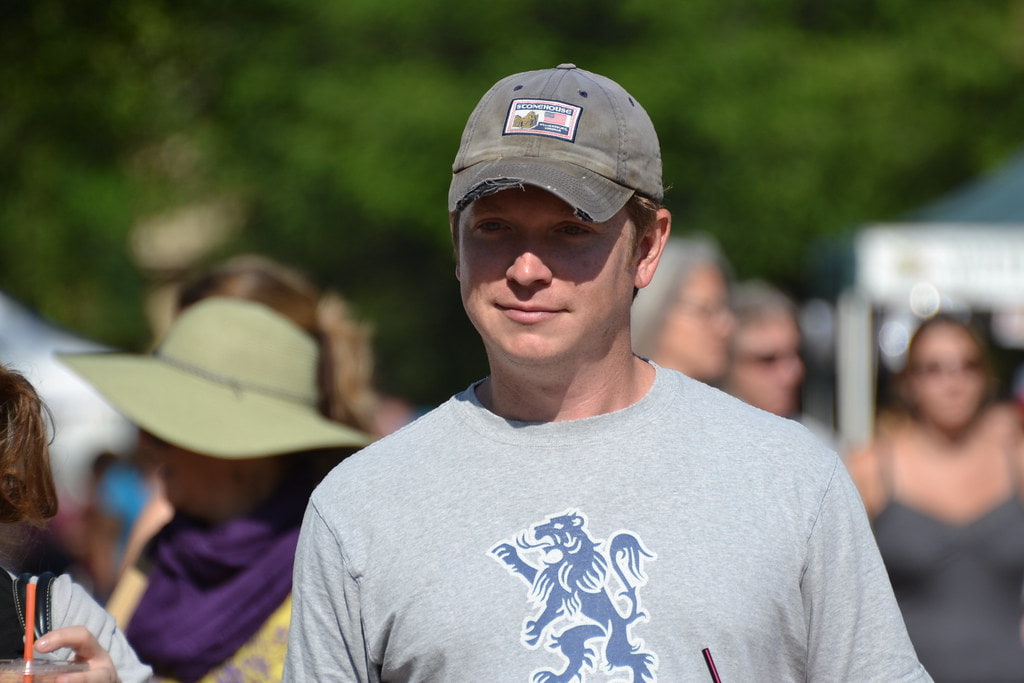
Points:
[(623, 547)]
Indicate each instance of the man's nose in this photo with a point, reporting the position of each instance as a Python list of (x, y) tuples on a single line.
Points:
[(528, 268)]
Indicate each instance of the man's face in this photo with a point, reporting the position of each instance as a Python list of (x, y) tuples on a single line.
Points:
[(767, 370), (539, 284)]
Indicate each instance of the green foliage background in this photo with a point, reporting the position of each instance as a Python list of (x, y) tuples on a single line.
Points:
[(328, 128)]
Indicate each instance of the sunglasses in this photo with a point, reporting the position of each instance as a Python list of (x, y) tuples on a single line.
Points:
[(941, 368), (769, 359)]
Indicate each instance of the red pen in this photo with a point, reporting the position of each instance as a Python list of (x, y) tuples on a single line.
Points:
[(711, 665)]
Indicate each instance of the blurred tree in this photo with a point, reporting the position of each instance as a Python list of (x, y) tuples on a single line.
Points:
[(143, 138)]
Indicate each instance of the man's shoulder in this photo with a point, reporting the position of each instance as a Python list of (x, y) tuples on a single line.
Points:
[(710, 401), (724, 424), (395, 453)]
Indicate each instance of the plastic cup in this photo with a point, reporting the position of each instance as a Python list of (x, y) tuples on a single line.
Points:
[(20, 670)]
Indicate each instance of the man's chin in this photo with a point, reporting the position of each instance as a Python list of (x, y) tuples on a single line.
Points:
[(529, 352)]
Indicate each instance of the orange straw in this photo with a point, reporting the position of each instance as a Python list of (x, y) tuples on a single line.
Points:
[(30, 618)]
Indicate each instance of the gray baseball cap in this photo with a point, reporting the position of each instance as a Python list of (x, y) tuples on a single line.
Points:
[(576, 134)]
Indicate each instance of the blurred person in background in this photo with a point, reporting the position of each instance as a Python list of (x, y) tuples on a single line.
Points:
[(119, 488), (766, 369), (28, 496), (942, 483), (243, 409), (344, 374), (682, 320), (346, 363)]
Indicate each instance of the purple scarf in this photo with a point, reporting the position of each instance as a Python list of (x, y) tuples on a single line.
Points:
[(212, 588)]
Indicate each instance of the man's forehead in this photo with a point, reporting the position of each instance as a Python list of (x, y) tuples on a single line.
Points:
[(770, 327)]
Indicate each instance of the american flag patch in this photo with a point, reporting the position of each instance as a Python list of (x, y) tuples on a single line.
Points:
[(543, 117)]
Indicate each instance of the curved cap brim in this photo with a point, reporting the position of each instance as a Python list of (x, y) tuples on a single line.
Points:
[(593, 197)]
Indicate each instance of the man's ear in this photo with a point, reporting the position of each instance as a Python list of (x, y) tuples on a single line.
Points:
[(652, 244), (453, 225)]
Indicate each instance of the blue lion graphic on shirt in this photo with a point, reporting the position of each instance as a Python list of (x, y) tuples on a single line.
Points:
[(572, 590)]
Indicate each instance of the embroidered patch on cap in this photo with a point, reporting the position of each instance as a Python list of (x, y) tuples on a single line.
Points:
[(543, 117)]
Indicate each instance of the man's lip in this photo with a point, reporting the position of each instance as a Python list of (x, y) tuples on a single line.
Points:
[(527, 314), (526, 309)]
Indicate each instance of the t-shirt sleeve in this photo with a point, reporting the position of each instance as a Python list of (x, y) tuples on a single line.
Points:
[(855, 629), (326, 640), (73, 606)]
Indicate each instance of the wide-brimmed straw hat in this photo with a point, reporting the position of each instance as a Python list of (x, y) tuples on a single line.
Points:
[(231, 379)]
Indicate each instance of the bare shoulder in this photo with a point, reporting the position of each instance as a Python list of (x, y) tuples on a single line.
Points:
[(1001, 433), (863, 463), (1003, 421), (1006, 426)]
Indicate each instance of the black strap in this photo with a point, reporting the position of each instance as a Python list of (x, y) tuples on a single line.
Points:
[(44, 601), (12, 633), (12, 602)]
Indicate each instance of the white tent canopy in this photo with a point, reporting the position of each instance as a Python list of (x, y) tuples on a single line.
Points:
[(84, 424)]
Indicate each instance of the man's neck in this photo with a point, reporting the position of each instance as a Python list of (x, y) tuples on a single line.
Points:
[(548, 394)]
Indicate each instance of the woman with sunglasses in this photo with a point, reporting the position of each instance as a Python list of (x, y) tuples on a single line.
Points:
[(942, 483)]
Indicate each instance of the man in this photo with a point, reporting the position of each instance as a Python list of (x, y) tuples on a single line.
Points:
[(580, 514), (765, 367)]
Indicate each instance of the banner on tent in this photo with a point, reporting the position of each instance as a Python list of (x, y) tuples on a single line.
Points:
[(972, 264)]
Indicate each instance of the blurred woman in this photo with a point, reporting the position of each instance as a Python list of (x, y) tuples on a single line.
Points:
[(257, 389), (942, 483), (345, 369), (344, 374), (28, 495), (682, 320)]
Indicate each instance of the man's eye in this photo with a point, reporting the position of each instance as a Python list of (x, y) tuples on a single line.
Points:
[(574, 230)]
